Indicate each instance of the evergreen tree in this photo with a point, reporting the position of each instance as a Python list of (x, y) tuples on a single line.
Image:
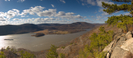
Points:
[(52, 52), (121, 21)]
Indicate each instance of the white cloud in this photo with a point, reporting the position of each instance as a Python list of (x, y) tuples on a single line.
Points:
[(12, 13), (51, 15), (101, 10), (61, 13), (95, 2), (92, 2), (52, 5), (42, 19), (39, 11), (127, 14), (15, 19), (98, 17), (104, 13), (63, 1), (9, 14), (7, 0), (32, 10), (99, 2), (124, 14), (17, 1), (49, 12), (69, 15), (21, 0), (87, 20), (2, 19), (83, 4)]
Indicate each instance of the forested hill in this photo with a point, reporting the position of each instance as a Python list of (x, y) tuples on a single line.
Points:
[(26, 28), (15, 29), (77, 25)]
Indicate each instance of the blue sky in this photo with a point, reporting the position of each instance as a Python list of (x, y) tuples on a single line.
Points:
[(53, 11)]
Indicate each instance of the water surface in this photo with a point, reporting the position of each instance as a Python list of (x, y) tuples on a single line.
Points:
[(37, 43)]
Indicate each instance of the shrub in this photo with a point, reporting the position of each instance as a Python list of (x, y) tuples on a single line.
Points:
[(25, 54), (52, 52), (2, 55), (63, 47), (61, 55)]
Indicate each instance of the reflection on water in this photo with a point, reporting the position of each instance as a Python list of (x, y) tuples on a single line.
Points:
[(36, 43), (4, 43)]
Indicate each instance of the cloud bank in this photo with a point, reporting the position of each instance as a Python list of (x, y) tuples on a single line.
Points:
[(44, 16)]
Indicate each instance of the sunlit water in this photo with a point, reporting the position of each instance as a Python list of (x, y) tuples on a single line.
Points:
[(37, 43)]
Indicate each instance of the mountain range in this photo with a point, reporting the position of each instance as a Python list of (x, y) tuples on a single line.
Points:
[(26, 28)]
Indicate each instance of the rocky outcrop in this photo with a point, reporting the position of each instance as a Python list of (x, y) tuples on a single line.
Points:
[(72, 50), (121, 46)]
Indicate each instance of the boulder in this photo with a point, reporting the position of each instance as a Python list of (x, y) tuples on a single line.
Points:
[(128, 45), (128, 35), (119, 53), (120, 47), (108, 47)]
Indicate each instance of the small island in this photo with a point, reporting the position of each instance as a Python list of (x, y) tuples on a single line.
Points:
[(8, 39), (38, 34)]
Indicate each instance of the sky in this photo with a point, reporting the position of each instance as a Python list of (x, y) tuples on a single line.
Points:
[(16, 12)]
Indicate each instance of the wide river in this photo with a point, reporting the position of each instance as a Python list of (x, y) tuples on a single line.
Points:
[(37, 43)]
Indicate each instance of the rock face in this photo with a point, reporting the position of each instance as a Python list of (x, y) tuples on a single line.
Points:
[(121, 46)]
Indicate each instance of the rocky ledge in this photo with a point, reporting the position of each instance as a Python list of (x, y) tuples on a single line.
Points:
[(121, 46)]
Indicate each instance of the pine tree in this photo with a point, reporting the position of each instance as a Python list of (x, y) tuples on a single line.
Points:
[(122, 21), (52, 52)]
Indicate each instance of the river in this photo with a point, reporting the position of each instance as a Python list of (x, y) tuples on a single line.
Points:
[(37, 43)]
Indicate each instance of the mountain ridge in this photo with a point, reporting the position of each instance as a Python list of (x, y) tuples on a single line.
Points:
[(26, 28)]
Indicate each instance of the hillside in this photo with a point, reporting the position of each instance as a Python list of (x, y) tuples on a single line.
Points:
[(26, 28), (17, 29), (77, 25), (119, 47), (72, 49)]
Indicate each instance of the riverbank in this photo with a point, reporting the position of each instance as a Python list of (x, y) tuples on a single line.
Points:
[(46, 31)]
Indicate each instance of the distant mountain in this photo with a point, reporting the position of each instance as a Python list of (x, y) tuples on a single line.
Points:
[(26, 28), (77, 25), (17, 29)]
